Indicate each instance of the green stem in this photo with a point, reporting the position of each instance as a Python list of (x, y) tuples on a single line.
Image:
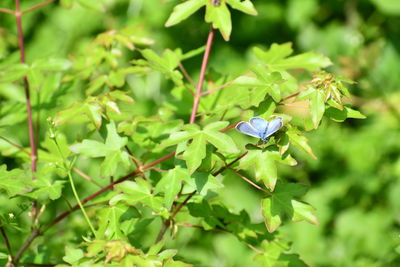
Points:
[(71, 181), (79, 203)]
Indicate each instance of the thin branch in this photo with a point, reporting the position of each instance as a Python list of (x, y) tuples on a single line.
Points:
[(291, 96), (255, 249), (221, 87), (227, 128), (137, 162), (6, 241), (197, 96), (37, 6), (164, 228), (66, 201), (85, 176), (183, 204), (165, 224), (248, 180), (216, 89), (15, 145), (8, 11), (32, 143), (35, 233), (230, 164), (185, 73)]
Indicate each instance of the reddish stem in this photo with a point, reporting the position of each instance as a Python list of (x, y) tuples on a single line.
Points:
[(37, 6), (35, 233), (197, 96), (182, 204), (291, 96), (248, 180), (6, 10), (186, 74), (18, 15), (6, 241), (230, 164)]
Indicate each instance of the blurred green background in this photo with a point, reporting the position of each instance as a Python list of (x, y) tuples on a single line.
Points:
[(355, 183)]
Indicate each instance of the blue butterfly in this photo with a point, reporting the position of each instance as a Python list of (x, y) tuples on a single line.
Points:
[(260, 128)]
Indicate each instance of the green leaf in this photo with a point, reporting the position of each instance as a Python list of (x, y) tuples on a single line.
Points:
[(304, 212), (13, 72), (202, 182), (177, 137), (355, 114), (73, 255), (220, 17), (183, 11), (96, 5), (195, 152), (110, 164), (109, 222), (138, 191), (90, 148), (317, 107), (52, 64), (3, 256), (272, 221), (44, 187), (310, 61), (276, 253), (67, 3), (93, 148), (221, 141), (269, 80), (300, 141), (341, 115), (194, 52), (306, 94), (114, 141), (276, 58), (390, 7), (96, 84), (166, 64), (81, 111), (11, 113), (14, 181), (245, 6), (281, 204), (171, 183), (111, 150), (216, 126), (275, 53), (263, 164)]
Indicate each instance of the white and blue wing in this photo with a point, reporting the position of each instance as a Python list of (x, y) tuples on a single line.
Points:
[(273, 126), (246, 128), (259, 124)]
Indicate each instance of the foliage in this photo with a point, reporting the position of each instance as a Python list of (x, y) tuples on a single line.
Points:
[(131, 172)]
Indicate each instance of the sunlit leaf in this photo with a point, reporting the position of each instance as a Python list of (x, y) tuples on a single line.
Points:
[(220, 17), (184, 10)]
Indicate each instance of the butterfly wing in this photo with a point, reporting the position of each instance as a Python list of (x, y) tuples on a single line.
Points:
[(259, 124), (246, 128), (273, 126)]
